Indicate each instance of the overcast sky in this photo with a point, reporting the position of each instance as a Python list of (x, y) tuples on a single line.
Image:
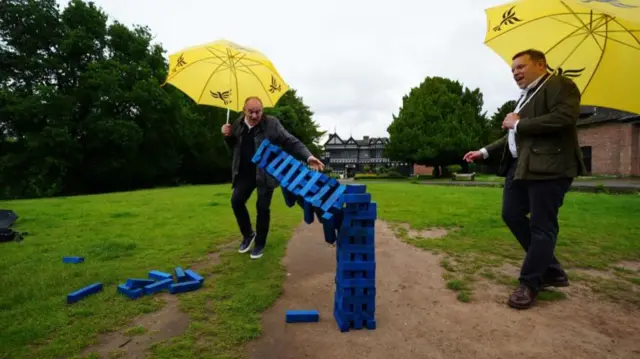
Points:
[(350, 60)]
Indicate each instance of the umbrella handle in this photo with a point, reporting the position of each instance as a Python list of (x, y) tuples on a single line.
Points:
[(535, 92)]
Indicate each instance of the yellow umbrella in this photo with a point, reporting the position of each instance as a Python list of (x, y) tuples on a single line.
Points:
[(595, 43), (224, 74)]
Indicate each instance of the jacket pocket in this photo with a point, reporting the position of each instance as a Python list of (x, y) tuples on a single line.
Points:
[(547, 160)]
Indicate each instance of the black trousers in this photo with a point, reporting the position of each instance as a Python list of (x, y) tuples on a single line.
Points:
[(537, 233), (244, 187)]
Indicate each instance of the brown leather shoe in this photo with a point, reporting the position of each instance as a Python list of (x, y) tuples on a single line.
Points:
[(522, 298)]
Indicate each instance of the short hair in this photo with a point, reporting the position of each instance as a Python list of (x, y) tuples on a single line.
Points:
[(253, 98), (535, 55)]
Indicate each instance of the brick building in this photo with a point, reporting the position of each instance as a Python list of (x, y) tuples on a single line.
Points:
[(610, 141)]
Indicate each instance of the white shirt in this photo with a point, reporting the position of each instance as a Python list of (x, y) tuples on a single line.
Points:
[(511, 138)]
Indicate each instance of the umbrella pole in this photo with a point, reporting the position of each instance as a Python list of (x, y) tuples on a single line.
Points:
[(227, 116)]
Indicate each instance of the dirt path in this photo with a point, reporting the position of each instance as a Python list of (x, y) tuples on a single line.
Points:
[(418, 317)]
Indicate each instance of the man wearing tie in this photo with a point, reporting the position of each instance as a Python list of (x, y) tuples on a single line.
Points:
[(540, 158)]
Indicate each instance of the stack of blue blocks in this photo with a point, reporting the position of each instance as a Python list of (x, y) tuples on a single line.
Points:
[(348, 218)]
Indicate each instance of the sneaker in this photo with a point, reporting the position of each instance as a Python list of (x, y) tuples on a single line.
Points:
[(245, 246), (257, 252)]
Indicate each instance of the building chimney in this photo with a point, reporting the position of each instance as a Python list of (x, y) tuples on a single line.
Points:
[(366, 138)]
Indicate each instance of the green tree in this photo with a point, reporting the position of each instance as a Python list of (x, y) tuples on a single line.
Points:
[(82, 109), (297, 118), (438, 122)]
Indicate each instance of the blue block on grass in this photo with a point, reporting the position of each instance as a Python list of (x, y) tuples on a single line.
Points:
[(302, 316), (73, 260), (132, 293), (84, 292), (158, 286), (158, 275), (184, 286), (135, 283), (193, 276), (181, 276)]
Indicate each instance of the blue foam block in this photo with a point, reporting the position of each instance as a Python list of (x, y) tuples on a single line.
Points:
[(135, 283), (302, 316), (180, 275), (357, 198), (132, 293), (184, 286), (259, 151), (193, 276), (308, 213), (72, 260), (157, 275), (356, 188), (84, 292), (157, 286)]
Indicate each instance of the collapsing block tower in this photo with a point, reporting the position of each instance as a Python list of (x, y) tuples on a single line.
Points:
[(348, 218)]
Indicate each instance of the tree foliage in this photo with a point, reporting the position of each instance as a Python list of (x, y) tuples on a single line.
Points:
[(82, 109), (438, 122)]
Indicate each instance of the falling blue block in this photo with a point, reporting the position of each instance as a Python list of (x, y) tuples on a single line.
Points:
[(193, 276), (184, 287), (302, 316), (73, 260), (157, 275), (132, 293), (158, 286), (180, 275), (84, 292), (357, 198), (135, 283)]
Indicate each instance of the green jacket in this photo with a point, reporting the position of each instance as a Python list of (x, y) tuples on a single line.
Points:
[(546, 137)]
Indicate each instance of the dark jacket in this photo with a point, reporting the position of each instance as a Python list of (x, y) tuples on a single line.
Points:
[(546, 137), (270, 128)]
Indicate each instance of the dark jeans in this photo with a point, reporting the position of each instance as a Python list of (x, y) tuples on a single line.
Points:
[(538, 234), (241, 192)]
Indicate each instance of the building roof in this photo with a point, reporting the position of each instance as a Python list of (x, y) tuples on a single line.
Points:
[(590, 115), (334, 139)]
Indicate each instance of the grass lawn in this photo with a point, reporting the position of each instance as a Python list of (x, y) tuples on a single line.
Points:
[(125, 235), (597, 231)]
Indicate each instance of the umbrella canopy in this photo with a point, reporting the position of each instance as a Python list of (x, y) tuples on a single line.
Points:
[(595, 43), (224, 74)]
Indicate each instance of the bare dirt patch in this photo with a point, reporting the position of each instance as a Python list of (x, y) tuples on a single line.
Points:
[(629, 265), (429, 233), (418, 317), (166, 323), (153, 328)]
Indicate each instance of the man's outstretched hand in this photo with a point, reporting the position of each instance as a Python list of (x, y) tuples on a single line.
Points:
[(472, 156), (315, 163)]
